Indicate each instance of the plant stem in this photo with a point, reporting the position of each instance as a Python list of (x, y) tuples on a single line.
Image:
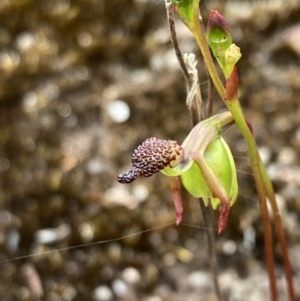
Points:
[(201, 41), (170, 17), (255, 160), (280, 232), (209, 104), (210, 236)]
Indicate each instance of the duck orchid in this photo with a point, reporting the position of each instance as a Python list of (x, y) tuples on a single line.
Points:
[(203, 161)]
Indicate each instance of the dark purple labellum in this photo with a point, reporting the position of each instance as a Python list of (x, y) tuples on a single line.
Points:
[(150, 157)]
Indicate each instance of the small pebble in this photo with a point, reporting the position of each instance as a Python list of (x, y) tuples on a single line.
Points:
[(87, 231), (12, 241), (287, 156), (46, 236), (265, 154), (9, 61), (249, 236), (33, 280), (95, 166), (64, 110), (119, 287), (69, 293), (131, 275), (25, 41), (118, 111), (29, 102), (229, 247), (102, 293), (119, 195), (199, 280), (52, 235), (184, 254), (141, 192), (85, 39)]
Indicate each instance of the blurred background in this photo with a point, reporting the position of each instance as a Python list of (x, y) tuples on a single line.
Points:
[(82, 83)]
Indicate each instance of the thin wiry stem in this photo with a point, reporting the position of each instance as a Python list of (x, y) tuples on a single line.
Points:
[(188, 68), (280, 232), (210, 98), (207, 217), (170, 17), (258, 172)]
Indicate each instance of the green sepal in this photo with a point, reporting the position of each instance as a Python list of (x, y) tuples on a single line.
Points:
[(220, 160), (186, 11)]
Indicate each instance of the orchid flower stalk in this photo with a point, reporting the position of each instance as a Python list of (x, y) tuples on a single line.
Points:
[(203, 161), (219, 39)]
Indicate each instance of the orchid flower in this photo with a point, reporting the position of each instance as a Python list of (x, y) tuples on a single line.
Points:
[(203, 161)]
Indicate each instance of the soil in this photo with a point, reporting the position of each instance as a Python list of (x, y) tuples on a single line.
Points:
[(82, 84)]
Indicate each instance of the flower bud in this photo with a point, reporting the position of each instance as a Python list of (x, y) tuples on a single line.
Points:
[(218, 34), (219, 39), (231, 57)]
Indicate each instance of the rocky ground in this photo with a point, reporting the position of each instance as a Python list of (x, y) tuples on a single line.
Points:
[(82, 83)]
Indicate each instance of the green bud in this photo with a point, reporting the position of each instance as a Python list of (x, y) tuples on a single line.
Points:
[(219, 39), (218, 34), (231, 57)]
